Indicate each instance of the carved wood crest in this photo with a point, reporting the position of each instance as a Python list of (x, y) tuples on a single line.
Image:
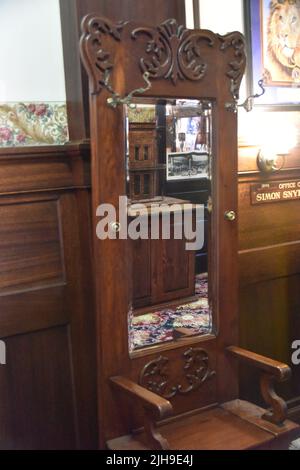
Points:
[(237, 66), (172, 52), (96, 59), (196, 370)]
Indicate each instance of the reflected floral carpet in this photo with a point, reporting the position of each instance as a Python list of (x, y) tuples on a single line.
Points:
[(173, 323)]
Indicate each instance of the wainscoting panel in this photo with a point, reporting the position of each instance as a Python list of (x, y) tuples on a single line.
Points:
[(36, 389), (31, 247), (269, 262), (48, 385)]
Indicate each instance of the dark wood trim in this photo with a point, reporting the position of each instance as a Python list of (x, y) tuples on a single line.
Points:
[(258, 176), (44, 168), (69, 148), (75, 76), (196, 7)]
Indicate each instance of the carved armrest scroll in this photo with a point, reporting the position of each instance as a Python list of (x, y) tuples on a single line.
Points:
[(155, 408), (272, 371)]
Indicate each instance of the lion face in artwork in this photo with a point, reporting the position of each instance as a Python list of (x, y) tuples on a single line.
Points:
[(284, 32)]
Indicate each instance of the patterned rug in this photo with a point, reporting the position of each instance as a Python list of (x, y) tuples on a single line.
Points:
[(171, 324)]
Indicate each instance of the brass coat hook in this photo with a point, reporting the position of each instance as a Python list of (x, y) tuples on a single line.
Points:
[(248, 103), (116, 99)]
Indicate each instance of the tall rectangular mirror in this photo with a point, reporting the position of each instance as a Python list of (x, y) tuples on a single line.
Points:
[(169, 184)]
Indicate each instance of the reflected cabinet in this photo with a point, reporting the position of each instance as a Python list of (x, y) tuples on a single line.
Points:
[(167, 138), (163, 107)]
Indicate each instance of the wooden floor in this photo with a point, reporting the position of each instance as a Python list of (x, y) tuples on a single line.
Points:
[(233, 426)]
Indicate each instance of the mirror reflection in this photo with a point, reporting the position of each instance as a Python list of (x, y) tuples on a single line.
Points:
[(169, 161)]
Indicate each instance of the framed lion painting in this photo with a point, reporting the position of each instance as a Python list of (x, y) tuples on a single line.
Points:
[(273, 30)]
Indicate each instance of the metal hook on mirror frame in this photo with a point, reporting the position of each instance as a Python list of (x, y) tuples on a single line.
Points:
[(116, 99), (248, 103)]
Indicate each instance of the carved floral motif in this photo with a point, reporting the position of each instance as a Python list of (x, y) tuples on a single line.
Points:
[(174, 52), (237, 66), (97, 60), (196, 368), (154, 376)]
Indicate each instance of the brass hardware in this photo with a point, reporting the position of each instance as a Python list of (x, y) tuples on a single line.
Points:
[(230, 216), (269, 163), (231, 106), (209, 205), (248, 103), (116, 99), (115, 227)]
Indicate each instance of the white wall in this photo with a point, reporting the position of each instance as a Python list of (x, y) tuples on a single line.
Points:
[(222, 16), (189, 14), (31, 54)]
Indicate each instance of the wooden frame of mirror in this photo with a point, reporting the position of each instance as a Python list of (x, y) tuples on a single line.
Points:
[(181, 64)]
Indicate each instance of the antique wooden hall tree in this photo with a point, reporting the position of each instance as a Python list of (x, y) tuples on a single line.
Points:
[(183, 393)]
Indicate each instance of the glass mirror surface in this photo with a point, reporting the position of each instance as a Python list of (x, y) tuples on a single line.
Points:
[(169, 167)]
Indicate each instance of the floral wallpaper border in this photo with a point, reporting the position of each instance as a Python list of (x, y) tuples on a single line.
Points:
[(25, 124)]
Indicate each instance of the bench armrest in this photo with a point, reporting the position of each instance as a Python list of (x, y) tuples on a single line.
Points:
[(277, 369), (160, 407), (271, 371)]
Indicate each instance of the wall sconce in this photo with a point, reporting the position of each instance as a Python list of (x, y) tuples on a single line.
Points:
[(269, 162), (274, 147)]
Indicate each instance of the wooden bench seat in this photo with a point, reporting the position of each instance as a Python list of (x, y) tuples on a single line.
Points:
[(235, 425)]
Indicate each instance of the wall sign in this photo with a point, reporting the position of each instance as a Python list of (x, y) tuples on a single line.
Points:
[(275, 192)]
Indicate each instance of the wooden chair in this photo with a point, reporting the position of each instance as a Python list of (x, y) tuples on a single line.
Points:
[(182, 394)]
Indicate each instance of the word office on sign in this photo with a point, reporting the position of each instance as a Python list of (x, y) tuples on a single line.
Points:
[(275, 192)]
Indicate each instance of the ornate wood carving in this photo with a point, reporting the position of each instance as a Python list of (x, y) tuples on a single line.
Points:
[(237, 66), (174, 52), (154, 375), (96, 59), (196, 368), (278, 412)]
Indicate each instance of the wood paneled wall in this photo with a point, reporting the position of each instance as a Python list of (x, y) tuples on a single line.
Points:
[(269, 263), (47, 387)]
